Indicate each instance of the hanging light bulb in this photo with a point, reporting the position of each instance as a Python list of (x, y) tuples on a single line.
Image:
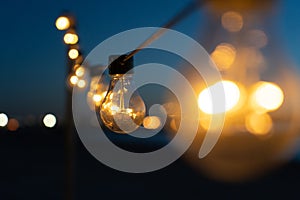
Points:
[(120, 111)]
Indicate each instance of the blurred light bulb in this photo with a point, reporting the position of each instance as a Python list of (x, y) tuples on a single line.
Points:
[(49, 120), (231, 94), (3, 119), (232, 21), (258, 124), (73, 54), (152, 122), (81, 83), (62, 23), (70, 38), (80, 71), (120, 111), (73, 80), (267, 96), (224, 56), (13, 124)]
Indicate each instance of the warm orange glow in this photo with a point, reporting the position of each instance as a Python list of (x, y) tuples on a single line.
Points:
[(73, 53), (12, 125), (3, 119), (62, 23), (73, 80), (151, 122), (70, 38), (232, 21), (81, 83), (80, 71), (230, 91), (224, 56), (267, 97), (259, 124), (49, 120)]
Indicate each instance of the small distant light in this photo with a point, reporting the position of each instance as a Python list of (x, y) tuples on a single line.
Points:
[(80, 71), (73, 80), (12, 124), (3, 119), (232, 21), (81, 83), (73, 53), (70, 38), (49, 120), (62, 23), (151, 122)]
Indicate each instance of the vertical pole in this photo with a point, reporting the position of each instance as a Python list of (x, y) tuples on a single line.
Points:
[(69, 144)]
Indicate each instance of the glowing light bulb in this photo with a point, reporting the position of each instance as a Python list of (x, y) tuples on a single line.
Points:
[(73, 80), (231, 94), (80, 71), (73, 54), (258, 124), (49, 120), (232, 21), (152, 122), (267, 96), (81, 83), (3, 119), (120, 111), (70, 38), (62, 23)]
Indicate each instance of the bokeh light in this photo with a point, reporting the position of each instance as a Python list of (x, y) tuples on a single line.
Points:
[(258, 124), (3, 119), (73, 53), (73, 80), (70, 38), (231, 94), (81, 83), (49, 120), (62, 23), (152, 122), (224, 56), (232, 21), (267, 96), (13, 124), (80, 71)]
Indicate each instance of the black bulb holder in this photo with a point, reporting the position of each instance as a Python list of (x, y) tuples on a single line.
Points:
[(119, 64)]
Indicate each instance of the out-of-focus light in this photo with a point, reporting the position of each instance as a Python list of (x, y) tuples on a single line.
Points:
[(70, 38), (258, 124), (12, 124), (62, 23), (73, 53), (231, 93), (3, 119), (81, 83), (49, 120), (224, 56), (232, 21), (151, 122), (267, 96), (73, 80), (80, 71), (257, 38)]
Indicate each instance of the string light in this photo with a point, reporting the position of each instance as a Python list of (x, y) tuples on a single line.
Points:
[(62, 23), (49, 120), (71, 38), (3, 119), (73, 54), (119, 111)]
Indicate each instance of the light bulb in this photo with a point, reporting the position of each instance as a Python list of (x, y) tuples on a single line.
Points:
[(123, 109)]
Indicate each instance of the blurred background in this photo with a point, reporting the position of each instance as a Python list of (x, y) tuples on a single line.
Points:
[(254, 45)]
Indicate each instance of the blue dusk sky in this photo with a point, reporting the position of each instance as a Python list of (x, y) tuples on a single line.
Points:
[(33, 55)]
